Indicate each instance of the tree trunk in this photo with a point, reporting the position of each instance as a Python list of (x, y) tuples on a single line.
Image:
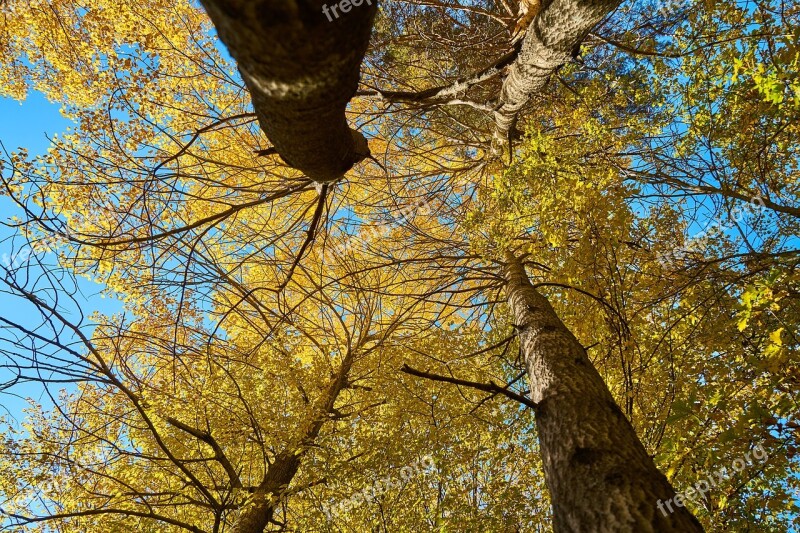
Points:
[(552, 39), (599, 474), (260, 509), (301, 67)]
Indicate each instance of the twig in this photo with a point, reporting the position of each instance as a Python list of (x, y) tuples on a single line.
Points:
[(311, 234), (197, 136)]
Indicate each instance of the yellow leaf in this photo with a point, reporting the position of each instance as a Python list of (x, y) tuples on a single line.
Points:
[(775, 337)]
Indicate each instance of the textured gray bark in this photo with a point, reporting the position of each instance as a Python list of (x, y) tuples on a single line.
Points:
[(551, 40), (599, 474), (301, 70)]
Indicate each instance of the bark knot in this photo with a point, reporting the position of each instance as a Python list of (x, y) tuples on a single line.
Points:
[(586, 456)]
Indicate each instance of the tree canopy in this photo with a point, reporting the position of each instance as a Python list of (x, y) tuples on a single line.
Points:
[(318, 330)]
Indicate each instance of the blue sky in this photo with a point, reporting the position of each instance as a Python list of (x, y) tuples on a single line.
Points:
[(28, 124)]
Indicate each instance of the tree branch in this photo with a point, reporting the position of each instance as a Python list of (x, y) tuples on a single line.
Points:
[(486, 387), (447, 94), (219, 455)]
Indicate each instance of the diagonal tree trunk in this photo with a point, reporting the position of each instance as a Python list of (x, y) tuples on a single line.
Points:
[(260, 508), (552, 40), (599, 474), (301, 64)]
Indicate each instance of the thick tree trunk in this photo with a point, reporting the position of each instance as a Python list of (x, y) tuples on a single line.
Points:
[(260, 509), (552, 39), (599, 474), (301, 67)]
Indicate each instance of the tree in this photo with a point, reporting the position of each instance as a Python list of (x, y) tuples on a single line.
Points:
[(598, 473), (254, 381)]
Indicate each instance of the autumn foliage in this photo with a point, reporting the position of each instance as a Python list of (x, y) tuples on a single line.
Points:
[(649, 186)]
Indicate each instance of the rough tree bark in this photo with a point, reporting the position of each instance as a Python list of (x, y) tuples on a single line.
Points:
[(552, 40), (599, 475), (301, 67)]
